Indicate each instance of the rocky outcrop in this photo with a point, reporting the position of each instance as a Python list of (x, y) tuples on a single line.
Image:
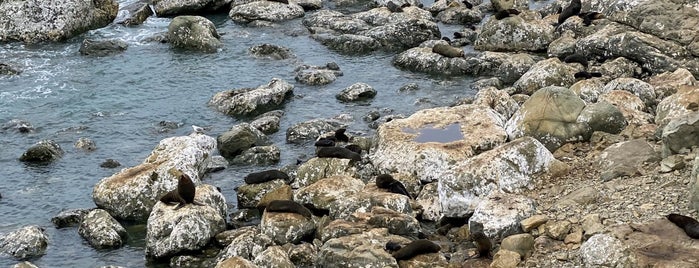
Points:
[(131, 193), (246, 101), (193, 33), (310, 130), (525, 32), (549, 72), (42, 152), (37, 21), (266, 11), (25, 243), (101, 230)]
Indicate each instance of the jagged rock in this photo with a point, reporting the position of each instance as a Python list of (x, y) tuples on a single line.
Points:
[(25, 243), (643, 90), (499, 214), (551, 116), (429, 201), (549, 72), (589, 89), (339, 228), (619, 67), (630, 105), (135, 13), (310, 130), (317, 75), (191, 227), (358, 250), (101, 230), (101, 48), (246, 101), (669, 83), (681, 103), (258, 155), (422, 59), (184, 7), (606, 250), (42, 151), (239, 138), (268, 122), (37, 21), (397, 223), (356, 92), (274, 256), (331, 193), (266, 11), (250, 195), (235, 262), (69, 218), (193, 33), (497, 100), (511, 168), (131, 193), (515, 33), (457, 13), (303, 255)]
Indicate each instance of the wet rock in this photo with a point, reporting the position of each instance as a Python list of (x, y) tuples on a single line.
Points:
[(515, 33), (110, 163), (629, 104), (318, 168), (499, 214), (33, 22), (25, 243), (549, 72), (190, 227), (258, 155), (680, 133), (194, 33), (274, 256), (42, 152), (268, 122), (643, 90), (317, 75), (310, 130), (557, 230), (19, 125), (69, 218), (247, 243), (512, 168), (239, 138), (605, 250), (335, 21), (356, 92), (344, 251), (417, 144), (101, 230), (624, 159), (347, 43), (266, 11), (131, 193), (216, 164), (602, 116), (551, 116), (85, 144), (185, 7), (102, 48), (331, 193), (271, 51), (134, 14), (249, 195), (6, 69), (246, 101), (422, 59), (677, 105), (284, 227)]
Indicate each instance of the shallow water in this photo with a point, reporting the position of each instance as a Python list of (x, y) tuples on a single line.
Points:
[(117, 101)]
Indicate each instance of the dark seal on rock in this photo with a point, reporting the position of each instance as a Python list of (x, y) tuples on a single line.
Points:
[(688, 224), (571, 10), (467, 4), (280, 1), (325, 142), (354, 148), (184, 194), (506, 13), (393, 7), (483, 244), (586, 75), (417, 247), (341, 136), (448, 51), (588, 17), (337, 152), (579, 58), (265, 176), (385, 181), (288, 206)]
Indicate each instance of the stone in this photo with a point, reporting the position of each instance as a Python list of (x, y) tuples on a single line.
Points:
[(523, 244), (681, 103), (499, 214), (85, 144), (134, 14), (624, 159), (240, 138), (680, 133), (331, 193), (603, 116), (629, 104), (515, 33), (592, 225), (247, 243), (274, 256), (258, 155), (271, 51), (42, 152), (397, 223), (505, 259), (318, 168), (265, 11), (101, 230), (358, 250), (284, 227), (170, 8), (558, 229), (69, 218), (194, 33), (549, 73), (249, 101), (101, 48), (605, 250), (356, 92), (316, 75), (497, 100), (310, 130), (250, 195), (533, 222), (25, 243), (643, 90)]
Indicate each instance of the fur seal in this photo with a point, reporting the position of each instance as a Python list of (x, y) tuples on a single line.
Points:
[(184, 194), (337, 152), (588, 17), (688, 224), (458, 35), (483, 244), (467, 4), (265, 176), (506, 13), (354, 148), (280, 1), (325, 142), (586, 75), (392, 246), (570, 10), (340, 135), (448, 51), (576, 57), (417, 247), (288, 206), (393, 7), (446, 39), (386, 181)]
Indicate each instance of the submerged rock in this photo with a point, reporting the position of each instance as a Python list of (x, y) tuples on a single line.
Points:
[(317, 75), (356, 92), (101, 48), (42, 152), (271, 51)]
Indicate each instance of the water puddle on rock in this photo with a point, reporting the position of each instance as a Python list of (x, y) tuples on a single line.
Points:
[(447, 134)]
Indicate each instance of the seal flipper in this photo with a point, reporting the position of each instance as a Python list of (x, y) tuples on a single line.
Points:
[(398, 188), (688, 224)]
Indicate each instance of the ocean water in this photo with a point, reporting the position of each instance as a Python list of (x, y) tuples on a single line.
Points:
[(118, 102)]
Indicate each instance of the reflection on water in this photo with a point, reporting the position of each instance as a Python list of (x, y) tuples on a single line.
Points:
[(428, 133)]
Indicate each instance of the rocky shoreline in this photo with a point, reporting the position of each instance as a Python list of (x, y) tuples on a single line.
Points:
[(581, 139)]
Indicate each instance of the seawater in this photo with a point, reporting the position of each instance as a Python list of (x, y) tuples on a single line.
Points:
[(118, 101)]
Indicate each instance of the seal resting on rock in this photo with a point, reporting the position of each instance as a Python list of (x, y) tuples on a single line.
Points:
[(571, 10), (448, 51), (688, 224), (325, 142), (506, 13), (588, 17), (337, 152), (579, 58), (417, 247), (483, 244), (265, 176), (341, 136), (288, 206), (385, 181), (586, 75), (184, 194), (354, 148)]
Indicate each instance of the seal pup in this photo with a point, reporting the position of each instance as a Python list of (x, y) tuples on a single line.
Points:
[(570, 10), (341, 136), (448, 51), (265, 176), (576, 57), (417, 247), (288, 206), (393, 7), (585, 75), (506, 13), (386, 181), (184, 194), (688, 224), (483, 244), (325, 142), (337, 152)]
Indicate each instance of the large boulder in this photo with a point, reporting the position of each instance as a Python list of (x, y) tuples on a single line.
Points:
[(37, 21), (604, 250), (549, 72), (239, 138), (25, 243), (265, 10), (310, 130), (679, 104), (245, 101), (423, 59), (516, 33), (359, 250), (427, 141), (285, 227), (131, 193), (681, 133), (191, 227), (318, 168), (331, 194), (499, 215), (246, 242), (625, 158), (101, 230), (42, 152), (193, 33), (551, 116)]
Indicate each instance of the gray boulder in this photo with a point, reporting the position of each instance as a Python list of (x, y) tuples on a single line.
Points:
[(245, 101), (69, 218), (274, 256), (317, 75), (18, 125), (515, 33), (7, 69), (85, 144), (266, 11), (604, 250), (37, 21), (422, 59), (271, 51), (101, 48), (25, 243), (357, 91), (397, 223), (499, 215), (318, 168), (258, 155), (135, 13), (643, 90), (549, 72), (679, 104), (457, 13), (588, 89), (669, 83), (330, 194), (286, 227), (345, 251), (268, 122), (240, 138), (603, 116), (246, 243), (191, 227), (42, 152), (625, 158), (497, 100), (629, 104), (310, 130), (250, 195), (101, 230), (681, 133), (193, 33)]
